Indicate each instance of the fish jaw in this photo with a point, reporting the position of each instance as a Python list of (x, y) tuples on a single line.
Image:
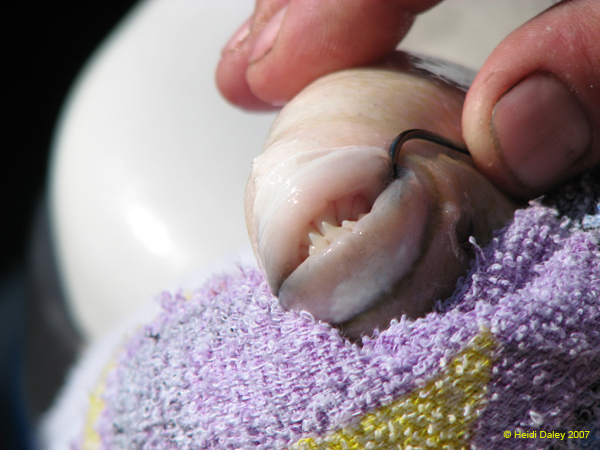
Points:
[(404, 255), (351, 274), (461, 204), (299, 190)]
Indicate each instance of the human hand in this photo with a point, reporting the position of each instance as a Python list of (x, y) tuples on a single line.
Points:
[(532, 115), (530, 118), (287, 44)]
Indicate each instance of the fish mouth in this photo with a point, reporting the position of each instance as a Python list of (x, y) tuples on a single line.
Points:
[(335, 232), (334, 245)]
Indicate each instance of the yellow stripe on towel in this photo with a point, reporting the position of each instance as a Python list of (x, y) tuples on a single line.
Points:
[(91, 438), (438, 416)]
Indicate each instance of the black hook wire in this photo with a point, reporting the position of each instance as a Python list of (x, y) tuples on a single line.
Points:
[(423, 135)]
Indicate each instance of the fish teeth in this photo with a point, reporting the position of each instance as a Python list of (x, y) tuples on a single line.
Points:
[(311, 229), (324, 230), (318, 243), (328, 216), (349, 224), (332, 232)]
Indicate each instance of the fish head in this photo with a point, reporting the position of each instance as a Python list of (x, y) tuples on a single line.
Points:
[(336, 233)]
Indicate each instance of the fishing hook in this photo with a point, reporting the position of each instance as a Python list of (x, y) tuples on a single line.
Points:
[(423, 135)]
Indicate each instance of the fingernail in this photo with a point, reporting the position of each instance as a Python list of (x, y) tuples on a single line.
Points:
[(240, 36), (266, 38), (540, 129)]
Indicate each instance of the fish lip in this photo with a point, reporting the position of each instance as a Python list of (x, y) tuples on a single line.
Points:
[(340, 298), (284, 192)]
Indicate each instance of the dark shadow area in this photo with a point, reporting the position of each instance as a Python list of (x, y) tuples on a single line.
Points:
[(45, 46)]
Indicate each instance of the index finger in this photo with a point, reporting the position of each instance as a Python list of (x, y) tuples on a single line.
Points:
[(287, 44)]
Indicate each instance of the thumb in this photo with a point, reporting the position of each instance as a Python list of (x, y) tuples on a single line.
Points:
[(532, 116)]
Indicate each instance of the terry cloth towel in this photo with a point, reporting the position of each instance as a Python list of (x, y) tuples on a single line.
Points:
[(511, 361)]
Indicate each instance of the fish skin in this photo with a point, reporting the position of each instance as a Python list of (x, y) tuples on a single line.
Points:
[(331, 142)]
